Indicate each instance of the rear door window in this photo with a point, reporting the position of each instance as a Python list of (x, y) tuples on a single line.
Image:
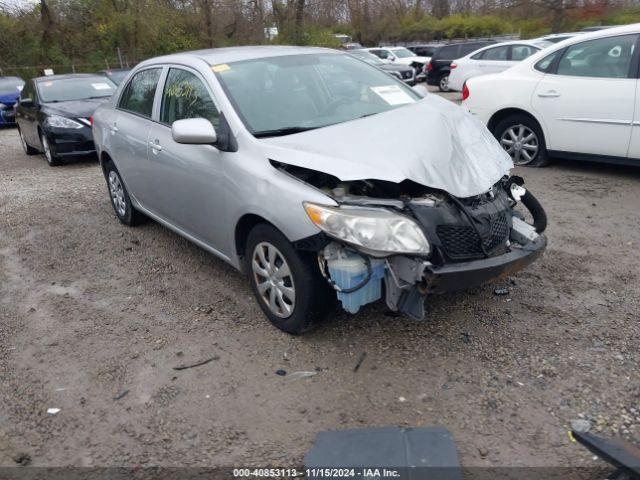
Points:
[(496, 53), (520, 52), (449, 52), (139, 93)]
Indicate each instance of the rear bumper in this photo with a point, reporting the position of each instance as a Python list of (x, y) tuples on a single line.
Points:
[(464, 275)]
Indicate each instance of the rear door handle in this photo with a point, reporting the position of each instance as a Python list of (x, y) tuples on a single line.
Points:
[(549, 94), (155, 146), (113, 128)]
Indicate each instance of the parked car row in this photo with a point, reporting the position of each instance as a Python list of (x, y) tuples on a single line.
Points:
[(576, 99)]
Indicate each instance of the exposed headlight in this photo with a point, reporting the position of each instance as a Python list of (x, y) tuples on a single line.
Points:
[(373, 229), (57, 121)]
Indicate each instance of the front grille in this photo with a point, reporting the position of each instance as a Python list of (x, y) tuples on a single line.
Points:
[(462, 241)]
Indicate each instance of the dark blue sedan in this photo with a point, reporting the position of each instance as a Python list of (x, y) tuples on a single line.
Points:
[(10, 88)]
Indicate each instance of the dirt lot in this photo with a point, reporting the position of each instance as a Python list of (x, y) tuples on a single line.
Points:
[(90, 309)]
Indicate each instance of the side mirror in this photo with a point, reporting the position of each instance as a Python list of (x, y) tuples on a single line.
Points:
[(194, 131)]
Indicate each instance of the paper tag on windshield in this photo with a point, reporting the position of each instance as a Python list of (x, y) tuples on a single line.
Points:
[(393, 94), (101, 86)]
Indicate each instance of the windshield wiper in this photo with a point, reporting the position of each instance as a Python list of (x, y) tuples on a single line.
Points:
[(281, 132)]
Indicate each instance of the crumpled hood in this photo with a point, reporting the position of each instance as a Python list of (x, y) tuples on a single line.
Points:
[(431, 142), (76, 108)]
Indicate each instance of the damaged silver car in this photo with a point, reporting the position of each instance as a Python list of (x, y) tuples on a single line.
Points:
[(319, 176)]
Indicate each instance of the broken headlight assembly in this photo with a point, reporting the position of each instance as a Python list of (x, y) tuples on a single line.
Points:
[(376, 231)]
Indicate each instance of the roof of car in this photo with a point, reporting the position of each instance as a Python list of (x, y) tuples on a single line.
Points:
[(64, 77), (215, 56)]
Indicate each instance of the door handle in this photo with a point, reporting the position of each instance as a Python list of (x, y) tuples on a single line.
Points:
[(113, 128), (549, 94), (155, 146)]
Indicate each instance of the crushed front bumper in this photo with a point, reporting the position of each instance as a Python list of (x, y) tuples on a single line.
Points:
[(464, 275)]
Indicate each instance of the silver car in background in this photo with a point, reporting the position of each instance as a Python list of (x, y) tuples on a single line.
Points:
[(318, 175)]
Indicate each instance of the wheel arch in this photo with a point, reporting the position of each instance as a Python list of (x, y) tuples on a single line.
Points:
[(500, 115), (241, 232)]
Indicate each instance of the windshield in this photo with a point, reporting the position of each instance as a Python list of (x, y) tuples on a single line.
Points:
[(78, 88), (370, 58), (403, 52), (288, 94), (10, 85)]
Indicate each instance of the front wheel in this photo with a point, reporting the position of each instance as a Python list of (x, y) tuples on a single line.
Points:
[(522, 138), (286, 282), (52, 159)]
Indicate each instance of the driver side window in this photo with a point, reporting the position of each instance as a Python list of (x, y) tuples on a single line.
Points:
[(185, 96)]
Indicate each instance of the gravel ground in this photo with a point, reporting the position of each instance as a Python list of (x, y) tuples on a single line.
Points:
[(91, 309)]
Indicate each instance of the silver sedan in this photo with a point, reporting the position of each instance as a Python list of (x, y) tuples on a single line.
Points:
[(321, 177)]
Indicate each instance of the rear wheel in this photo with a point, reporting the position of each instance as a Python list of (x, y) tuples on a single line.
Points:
[(286, 282), (28, 149), (52, 159), (443, 83), (522, 138), (120, 199)]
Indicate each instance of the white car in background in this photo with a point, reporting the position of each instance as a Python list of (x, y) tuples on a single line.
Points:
[(576, 99), (400, 55), (491, 59)]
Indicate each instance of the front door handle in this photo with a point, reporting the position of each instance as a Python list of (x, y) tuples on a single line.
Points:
[(549, 94), (155, 146), (113, 128)]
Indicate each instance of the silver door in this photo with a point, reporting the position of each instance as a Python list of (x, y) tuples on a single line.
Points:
[(130, 129), (188, 180)]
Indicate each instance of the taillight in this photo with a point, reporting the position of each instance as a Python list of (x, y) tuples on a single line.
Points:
[(453, 65), (429, 67), (91, 120), (465, 92)]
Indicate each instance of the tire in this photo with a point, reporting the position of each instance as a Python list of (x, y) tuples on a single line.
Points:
[(443, 83), (28, 149), (513, 130), (120, 200), (311, 299), (52, 159)]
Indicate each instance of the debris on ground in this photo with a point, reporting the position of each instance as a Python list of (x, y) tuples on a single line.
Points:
[(22, 458), (281, 373), (121, 395), (302, 374), (580, 425), (53, 411), (363, 355), (501, 291), (197, 364), (466, 337)]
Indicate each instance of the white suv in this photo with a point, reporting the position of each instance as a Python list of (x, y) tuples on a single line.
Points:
[(576, 99)]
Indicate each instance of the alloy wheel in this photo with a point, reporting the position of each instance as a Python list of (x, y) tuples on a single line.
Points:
[(444, 83), (521, 143), (274, 280), (117, 193)]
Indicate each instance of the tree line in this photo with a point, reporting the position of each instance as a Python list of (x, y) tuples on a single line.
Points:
[(85, 35)]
